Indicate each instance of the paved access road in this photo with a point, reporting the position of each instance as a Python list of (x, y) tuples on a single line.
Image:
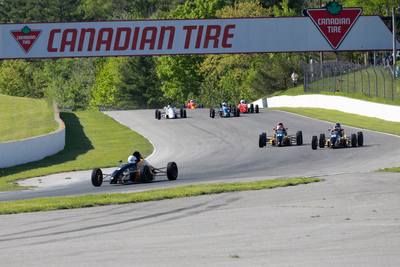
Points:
[(351, 219)]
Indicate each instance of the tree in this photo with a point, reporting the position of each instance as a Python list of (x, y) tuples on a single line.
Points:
[(17, 11), (70, 81), (108, 76), (139, 85)]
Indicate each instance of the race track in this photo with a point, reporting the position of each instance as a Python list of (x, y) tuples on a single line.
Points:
[(351, 219), (226, 149)]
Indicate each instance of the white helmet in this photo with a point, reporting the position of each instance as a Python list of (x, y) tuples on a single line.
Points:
[(131, 159), (224, 104), (242, 101)]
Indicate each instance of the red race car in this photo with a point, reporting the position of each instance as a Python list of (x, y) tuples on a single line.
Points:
[(245, 108)]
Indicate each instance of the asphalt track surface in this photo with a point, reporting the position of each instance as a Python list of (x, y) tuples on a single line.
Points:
[(351, 219)]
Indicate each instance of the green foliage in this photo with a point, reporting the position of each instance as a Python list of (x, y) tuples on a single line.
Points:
[(17, 78), (16, 11), (285, 11), (274, 71), (70, 81), (139, 86), (374, 7), (107, 78), (227, 78)]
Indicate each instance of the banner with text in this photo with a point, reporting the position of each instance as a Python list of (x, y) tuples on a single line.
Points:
[(191, 36)]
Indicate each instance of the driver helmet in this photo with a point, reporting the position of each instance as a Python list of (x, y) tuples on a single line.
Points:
[(224, 104), (337, 127), (280, 124), (131, 159), (242, 101), (169, 105), (191, 101), (280, 128)]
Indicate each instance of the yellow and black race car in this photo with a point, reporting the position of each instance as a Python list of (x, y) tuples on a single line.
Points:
[(137, 169), (280, 138), (337, 139)]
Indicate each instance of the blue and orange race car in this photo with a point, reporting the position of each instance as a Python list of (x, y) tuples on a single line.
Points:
[(225, 111)]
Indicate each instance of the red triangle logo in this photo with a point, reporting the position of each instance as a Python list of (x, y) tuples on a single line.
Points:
[(26, 37), (334, 27)]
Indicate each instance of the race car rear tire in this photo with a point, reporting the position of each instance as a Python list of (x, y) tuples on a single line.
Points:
[(172, 171), (156, 113), (251, 108), (184, 113), (237, 112), (314, 142), (261, 141), (97, 177), (322, 140), (212, 113), (257, 110), (360, 139), (159, 115), (353, 140), (181, 112), (299, 138), (144, 174)]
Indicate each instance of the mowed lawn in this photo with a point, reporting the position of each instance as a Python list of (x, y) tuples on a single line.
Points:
[(22, 118)]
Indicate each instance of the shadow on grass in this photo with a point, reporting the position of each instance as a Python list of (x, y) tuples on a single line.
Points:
[(76, 144)]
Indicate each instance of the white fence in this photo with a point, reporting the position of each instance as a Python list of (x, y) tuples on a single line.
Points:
[(35, 148), (341, 103)]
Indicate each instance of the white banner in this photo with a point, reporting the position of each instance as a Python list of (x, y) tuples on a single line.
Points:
[(178, 37)]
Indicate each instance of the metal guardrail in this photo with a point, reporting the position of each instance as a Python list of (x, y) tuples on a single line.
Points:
[(340, 76)]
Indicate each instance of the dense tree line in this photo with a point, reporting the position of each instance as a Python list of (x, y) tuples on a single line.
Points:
[(149, 82)]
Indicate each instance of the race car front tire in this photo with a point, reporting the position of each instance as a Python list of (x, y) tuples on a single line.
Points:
[(360, 139), (184, 113), (144, 174), (322, 140), (314, 142), (97, 177), (172, 171), (159, 115), (257, 110), (299, 138)]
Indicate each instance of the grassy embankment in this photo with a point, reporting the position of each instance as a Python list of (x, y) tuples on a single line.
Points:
[(22, 118)]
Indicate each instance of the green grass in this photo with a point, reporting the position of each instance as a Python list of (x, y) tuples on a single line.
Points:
[(22, 118), (93, 139), (45, 204)]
